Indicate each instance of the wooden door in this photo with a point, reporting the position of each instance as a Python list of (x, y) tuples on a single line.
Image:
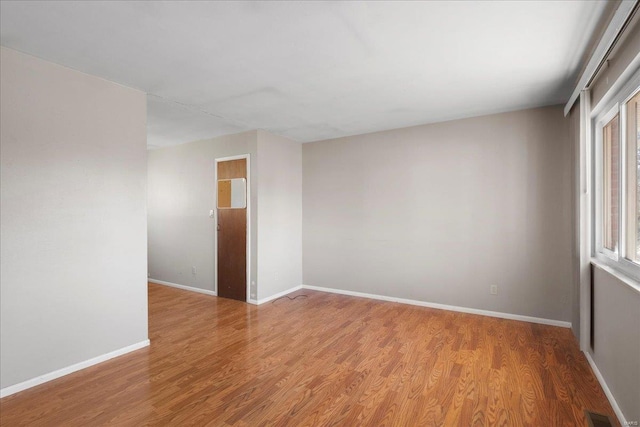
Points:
[(232, 239)]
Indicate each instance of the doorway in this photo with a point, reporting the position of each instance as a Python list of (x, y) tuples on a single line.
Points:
[(232, 236)]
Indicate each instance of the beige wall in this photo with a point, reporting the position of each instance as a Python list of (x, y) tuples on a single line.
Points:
[(626, 52), (574, 139), (73, 217), (441, 212), (616, 350), (616, 324), (181, 193), (279, 215)]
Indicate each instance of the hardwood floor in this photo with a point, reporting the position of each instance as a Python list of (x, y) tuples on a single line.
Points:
[(324, 359)]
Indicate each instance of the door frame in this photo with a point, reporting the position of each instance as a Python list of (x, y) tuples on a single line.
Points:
[(215, 228)]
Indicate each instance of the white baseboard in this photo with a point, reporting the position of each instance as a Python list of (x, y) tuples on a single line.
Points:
[(278, 295), (489, 313), (605, 388), (7, 391), (183, 287), (444, 307)]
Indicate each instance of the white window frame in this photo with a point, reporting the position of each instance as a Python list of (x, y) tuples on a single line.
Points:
[(601, 117), (602, 121)]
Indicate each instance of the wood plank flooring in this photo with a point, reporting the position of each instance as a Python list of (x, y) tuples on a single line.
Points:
[(324, 359)]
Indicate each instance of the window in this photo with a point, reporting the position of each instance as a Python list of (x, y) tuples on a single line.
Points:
[(610, 183), (617, 209), (632, 110)]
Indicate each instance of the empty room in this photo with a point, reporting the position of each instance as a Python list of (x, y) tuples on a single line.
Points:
[(298, 213)]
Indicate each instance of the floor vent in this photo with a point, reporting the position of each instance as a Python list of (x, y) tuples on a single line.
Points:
[(597, 420)]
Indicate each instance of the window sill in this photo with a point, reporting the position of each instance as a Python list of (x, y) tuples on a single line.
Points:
[(622, 277)]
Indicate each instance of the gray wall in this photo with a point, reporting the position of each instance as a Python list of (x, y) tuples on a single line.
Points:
[(625, 53), (73, 217), (181, 193), (279, 214), (440, 212), (574, 137), (616, 330), (616, 304)]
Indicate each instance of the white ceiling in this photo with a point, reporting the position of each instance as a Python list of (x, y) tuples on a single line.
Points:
[(313, 70)]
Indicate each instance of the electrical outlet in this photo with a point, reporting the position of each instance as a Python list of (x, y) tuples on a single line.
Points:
[(193, 270), (493, 289)]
